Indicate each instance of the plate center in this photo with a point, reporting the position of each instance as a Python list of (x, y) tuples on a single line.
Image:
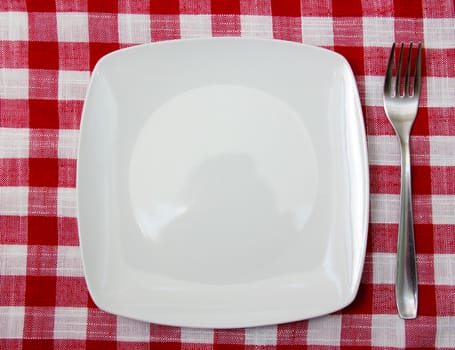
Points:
[(222, 182)]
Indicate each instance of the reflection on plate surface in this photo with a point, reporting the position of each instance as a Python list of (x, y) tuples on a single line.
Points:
[(222, 183), (217, 173)]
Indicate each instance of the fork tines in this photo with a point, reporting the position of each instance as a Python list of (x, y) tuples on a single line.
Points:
[(395, 88)]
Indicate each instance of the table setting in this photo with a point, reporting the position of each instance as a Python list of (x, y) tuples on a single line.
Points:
[(227, 174)]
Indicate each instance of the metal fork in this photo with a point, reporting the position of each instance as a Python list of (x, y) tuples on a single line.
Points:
[(401, 105)]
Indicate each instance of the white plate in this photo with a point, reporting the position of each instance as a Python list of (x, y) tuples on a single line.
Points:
[(222, 183)]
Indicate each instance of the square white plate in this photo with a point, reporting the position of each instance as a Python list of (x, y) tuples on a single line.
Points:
[(222, 183)]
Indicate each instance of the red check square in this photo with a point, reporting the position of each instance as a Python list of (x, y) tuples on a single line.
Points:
[(40, 6), (169, 7), (347, 8), (102, 6), (424, 239), (40, 291), (290, 8), (225, 7), (412, 9), (101, 344), (362, 302), (42, 230), (43, 172), (35, 343), (421, 180), (354, 55), (98, 50), (43, 55)]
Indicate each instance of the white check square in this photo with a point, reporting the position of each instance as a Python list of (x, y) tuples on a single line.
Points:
[(72, 26), (14, 83), (317, 31), (256, 26), (11, 322), (14, 143), (439, 33), (385, 208), (324, 330), (197, 335), (445, 334), (66, 202), (14, 26), (72, 85), (443, 209), (69, 262), (384, 265), (442, 150), (68, 141), (194, 26), (388, 331), (129, 330), (261, 336), (378, 31), (374, 86), (70, 323), (13, 260), (441, 91), (444, 269), (14, 200), (134, 28)]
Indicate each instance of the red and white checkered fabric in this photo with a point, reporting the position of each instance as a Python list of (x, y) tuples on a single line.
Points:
[(47, 50)]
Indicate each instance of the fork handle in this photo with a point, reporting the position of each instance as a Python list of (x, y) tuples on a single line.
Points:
[(406, 274)]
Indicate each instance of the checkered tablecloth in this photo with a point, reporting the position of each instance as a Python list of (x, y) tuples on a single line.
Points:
[(47, 51)]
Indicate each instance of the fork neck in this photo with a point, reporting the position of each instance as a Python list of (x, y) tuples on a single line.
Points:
[(405, 153)]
